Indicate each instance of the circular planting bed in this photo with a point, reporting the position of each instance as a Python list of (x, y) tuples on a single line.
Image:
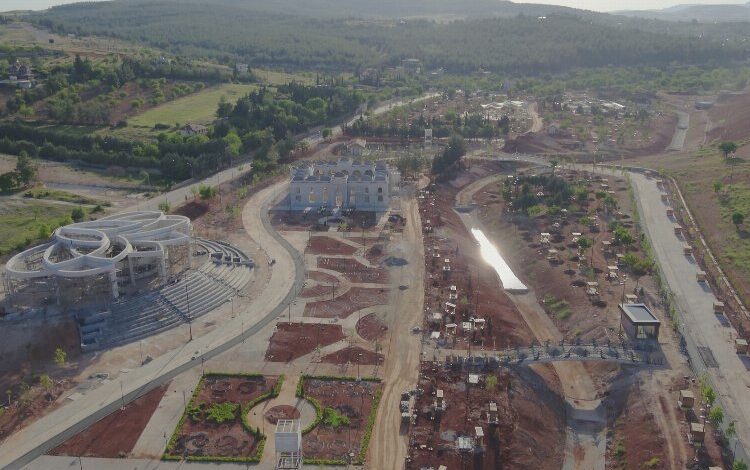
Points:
[(279, 412)]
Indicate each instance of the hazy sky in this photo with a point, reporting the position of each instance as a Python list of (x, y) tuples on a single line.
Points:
[(599, 5)]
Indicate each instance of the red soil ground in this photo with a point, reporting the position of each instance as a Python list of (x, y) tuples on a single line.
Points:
[(353, 399), (353, 355), (530, 432), (192, 210), (281, 412), (371, 328), (477, 284), (729, 118), (229, 439), (519, 234), (322, 245), (116, 434), (356, 298), (354, 270), (293, 340), (324, 287)]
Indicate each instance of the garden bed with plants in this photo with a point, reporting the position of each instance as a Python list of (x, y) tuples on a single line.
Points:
[(345, 414), (214, 425)]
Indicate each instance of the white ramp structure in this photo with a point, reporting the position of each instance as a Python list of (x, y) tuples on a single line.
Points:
[(288, 440), (100, 258)]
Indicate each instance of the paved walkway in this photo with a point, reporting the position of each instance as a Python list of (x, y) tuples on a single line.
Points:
[(287, 396), (54, 428)]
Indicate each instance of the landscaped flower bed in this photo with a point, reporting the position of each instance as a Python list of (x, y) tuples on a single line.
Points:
[(214, 425), (346, 410)]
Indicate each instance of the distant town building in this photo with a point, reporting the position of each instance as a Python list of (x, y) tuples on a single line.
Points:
[(194, 129), (345, 184), (19, 71), (241, 68), (19, 76)]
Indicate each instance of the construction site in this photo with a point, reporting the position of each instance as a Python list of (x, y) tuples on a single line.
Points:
[(508, 316)]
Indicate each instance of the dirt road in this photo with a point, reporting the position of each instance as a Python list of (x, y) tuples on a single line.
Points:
[(388, 447), (536, 120)]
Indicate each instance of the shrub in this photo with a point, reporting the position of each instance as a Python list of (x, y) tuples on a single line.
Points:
[(77, 214), (61, 357), (332, 418)]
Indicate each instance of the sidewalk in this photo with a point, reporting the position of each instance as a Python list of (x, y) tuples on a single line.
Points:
[(36, 439)]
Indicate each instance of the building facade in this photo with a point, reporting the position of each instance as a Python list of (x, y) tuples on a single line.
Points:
[(345, 184)]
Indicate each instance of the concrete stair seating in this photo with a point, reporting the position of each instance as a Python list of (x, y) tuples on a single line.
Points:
[(133, 318), (224, 253)]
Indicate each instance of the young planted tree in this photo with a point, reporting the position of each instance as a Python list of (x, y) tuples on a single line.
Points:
[(61, 357), (716, 416), (737, 219), (727, 148)]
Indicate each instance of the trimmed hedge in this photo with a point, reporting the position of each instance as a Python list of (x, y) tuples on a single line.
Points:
[(323, 462), (368, 429)]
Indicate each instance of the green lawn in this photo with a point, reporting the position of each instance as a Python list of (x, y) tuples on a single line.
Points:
[(20, 221), (198, 108), (57, 195), (272, 77)]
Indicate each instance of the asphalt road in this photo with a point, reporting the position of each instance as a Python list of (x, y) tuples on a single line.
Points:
[(695, 300)]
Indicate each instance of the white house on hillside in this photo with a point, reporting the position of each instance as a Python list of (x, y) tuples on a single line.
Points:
[(346, 184)]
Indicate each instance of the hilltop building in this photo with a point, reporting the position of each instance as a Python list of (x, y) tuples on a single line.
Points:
[(345, 184)]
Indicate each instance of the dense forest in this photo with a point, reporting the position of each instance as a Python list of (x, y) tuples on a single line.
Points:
[(264, 122), (524, 44)]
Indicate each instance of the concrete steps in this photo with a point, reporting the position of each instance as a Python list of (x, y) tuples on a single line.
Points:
[(197, 293)]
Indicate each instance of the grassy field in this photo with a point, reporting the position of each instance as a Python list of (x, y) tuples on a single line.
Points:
[(20, 221), (272, 77), (198, 108)]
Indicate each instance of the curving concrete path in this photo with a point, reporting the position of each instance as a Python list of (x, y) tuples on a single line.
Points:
[(288, 275), (286, 396)]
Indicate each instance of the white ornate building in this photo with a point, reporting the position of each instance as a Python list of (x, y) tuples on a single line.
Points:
[(345, 184), (99, 259)]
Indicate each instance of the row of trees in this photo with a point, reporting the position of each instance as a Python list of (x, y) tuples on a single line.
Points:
[(263, 121), (469, 126)]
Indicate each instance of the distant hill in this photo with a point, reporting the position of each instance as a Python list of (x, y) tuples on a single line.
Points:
[(326, 35), (399, 8), (701, 13)]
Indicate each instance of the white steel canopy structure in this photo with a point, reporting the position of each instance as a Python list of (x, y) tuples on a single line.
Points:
[(105, 254)]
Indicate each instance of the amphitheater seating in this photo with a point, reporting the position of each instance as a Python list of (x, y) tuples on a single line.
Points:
[(197, 293)]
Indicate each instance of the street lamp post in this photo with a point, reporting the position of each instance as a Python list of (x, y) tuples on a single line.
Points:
[(187, 297)]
